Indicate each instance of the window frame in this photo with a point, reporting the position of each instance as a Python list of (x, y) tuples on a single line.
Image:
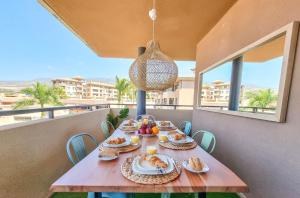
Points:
[(291, 35)]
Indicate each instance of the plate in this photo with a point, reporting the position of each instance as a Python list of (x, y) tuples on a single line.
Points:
[(124, 127), (186, 140), (186, 165), (147, 135), (126, 143), (143, 167), (168, 125), (106, 158)]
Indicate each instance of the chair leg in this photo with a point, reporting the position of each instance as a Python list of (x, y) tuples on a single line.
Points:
[(97, 195), (165, 195), (130, 195)]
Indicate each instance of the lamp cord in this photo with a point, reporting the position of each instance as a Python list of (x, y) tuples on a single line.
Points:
[(153, 21)]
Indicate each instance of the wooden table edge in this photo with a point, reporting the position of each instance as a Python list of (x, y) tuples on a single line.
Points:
[(148, 189)]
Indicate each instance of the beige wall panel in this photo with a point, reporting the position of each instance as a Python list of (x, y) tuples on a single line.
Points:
[(33, 155), (264, 154)]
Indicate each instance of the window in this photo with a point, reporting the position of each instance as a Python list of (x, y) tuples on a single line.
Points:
[(259, 92), (214, 83), (253, 82)]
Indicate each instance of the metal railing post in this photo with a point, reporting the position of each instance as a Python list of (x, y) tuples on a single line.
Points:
[(51, 114)]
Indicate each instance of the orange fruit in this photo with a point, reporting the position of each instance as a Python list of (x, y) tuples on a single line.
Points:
[(155, 130)]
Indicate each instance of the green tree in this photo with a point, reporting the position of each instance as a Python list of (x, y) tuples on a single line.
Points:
[(261, 98), (132, 91), (122, 85), (41, 94)]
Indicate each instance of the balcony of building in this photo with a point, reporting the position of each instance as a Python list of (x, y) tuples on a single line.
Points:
[(259, 144)]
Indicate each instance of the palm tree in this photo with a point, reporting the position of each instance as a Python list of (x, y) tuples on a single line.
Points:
[(41, 94), (132, 91), (261, 98), (122, 85)]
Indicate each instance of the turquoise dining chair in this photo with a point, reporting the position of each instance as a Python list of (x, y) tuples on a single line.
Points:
[(107, 128), (79, 149), (186, 127), (205, 140)]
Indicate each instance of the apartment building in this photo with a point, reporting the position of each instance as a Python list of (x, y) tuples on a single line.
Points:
[(78, 87), (217, 93), (99, 90), (181, 93)]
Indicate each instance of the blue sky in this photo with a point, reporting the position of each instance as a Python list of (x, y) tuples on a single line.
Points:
[(264, 74), (34, 45)]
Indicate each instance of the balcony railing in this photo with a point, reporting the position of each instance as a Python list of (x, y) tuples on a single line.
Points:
[(245, 109), (51, 110)]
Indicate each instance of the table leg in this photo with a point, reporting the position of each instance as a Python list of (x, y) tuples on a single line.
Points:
[(98, 195), (202, 195)]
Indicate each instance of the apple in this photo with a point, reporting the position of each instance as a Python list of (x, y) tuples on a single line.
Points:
[(144, 126), (148, 131), (142, 130)]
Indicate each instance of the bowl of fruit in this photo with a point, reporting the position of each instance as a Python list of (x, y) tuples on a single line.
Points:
[(148, 128)]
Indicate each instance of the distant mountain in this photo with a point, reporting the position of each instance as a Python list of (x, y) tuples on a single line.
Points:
[(27, 83)]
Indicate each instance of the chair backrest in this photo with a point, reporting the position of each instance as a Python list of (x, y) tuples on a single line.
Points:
[(186, 127), (107, 128), (78, 145), (205, 140), (150, 117)]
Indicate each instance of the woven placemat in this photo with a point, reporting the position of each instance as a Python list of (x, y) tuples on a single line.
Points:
[(123, 149), (127, 172), (169, 145)]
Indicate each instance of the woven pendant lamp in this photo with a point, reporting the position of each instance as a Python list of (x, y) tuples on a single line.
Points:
[(153, 70)]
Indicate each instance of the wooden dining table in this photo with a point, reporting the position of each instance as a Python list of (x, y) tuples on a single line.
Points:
[(93, 175)]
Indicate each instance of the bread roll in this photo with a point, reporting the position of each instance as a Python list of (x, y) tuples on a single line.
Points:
[(195, 163)]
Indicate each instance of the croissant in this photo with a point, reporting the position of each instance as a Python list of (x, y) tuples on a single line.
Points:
[(116, 141), (179, 136), (156, 161)]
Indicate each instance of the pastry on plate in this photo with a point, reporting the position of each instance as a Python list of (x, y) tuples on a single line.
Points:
[(108, 153), (118, 140), (179, 136), (154, 161), (195, 163), (165, 123), (157, 162)]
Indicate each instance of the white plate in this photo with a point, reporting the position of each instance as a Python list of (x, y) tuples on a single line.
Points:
[(144, 168), (186, 140), (126, 143), (159, 124), (129, 128), (147, 135), (186, 165), (107, 158)]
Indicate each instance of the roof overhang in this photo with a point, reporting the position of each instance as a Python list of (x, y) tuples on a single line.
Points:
[(116, 28)]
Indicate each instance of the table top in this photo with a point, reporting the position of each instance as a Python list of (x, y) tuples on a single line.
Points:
[(93, 175)]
